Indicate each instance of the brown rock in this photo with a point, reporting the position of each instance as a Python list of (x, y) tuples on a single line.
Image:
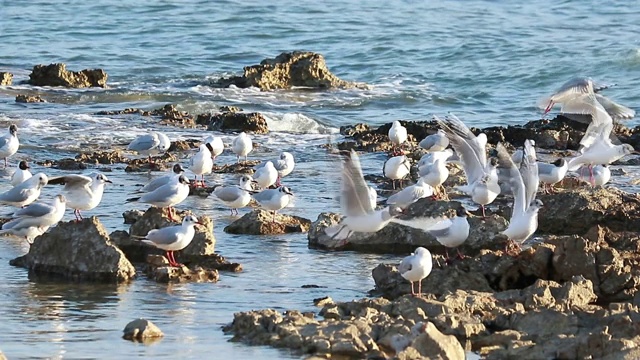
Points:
[(103, 157), (182, 145), (237, 168), (79, 251), (128, 111), (58, 75), (260, 222), (6, 78), (159, 270), (234, 121), (432, 344), (22, 98), (171, 115), (289, 69), (141, 330), (69, 164)]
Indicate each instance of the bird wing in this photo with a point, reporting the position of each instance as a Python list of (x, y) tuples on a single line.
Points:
[(428, 142), (601, 123), (515, 180), (572, 88), (228, 193), (17, 194), (615, 110), (529, 172), (421, 223), (354, 199), (71, 181), (144, 142), (34, 210), (472, 155), (165, 236), (408, 195), (265, 195), (4, 140), (406, 264), (545, 168), (157, 182), (161, 194), (441, 228)]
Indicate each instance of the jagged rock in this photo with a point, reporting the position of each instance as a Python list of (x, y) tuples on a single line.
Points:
[(141, 330), (237, 168), (22, 98), (289, 69), (58, 75), (159, 163), (128, 111), (103, 157), (79, 251), (432, 344), (228, 108), (182, 145), (234, 121), (203, 243), (6, 79), (260, 222), (398, 238), (171, 115), (131, 216), (159, 270)]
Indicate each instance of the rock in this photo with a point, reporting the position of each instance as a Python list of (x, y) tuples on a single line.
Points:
[(234, 121), (159, 163), (131, 216), (159, 270), (128, 111), (69, 164), (6, 78), (432, 344), (182, 145), (289, 69), (58, 75), (22, 98), (155, 218), (78, 251), (103, 157), (141, 329), (260, 222), (323, 301), (237, 168), (171, 115)]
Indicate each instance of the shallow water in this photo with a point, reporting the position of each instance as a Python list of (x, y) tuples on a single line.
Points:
[(490, 62)]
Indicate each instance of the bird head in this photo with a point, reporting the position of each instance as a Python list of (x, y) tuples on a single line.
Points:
[(177, 169), (23, 165), (101, 179), (286, 190), (184, 180), (13, 129), (191, 220)]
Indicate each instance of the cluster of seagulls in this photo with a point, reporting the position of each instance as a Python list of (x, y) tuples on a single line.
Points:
[(520, 174)]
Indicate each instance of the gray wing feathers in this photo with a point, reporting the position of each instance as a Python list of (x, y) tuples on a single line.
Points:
[(354, 198), (34, 210), (164, 236), (529, 173), (16, 195), (229, 193), (405, 265), (144, 142)]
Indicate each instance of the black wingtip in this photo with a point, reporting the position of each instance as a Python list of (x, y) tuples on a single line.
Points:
[(133, 199)]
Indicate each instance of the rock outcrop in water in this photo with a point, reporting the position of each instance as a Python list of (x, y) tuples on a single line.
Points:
[(77, 251), (6, 78), (22, 98), (58, 75), (260, 222), (141, 330), (287, 70), (234, 121), (159, 270)]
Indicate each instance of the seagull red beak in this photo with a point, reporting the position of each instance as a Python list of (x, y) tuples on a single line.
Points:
[(548, 108)]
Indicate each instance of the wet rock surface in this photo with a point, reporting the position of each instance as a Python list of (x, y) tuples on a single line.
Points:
[(158, 269), (289, 69), (58, 75), (6, 78), (141, 330), (77, 251), (234, 121), (22, 98), (236, 168), (103, 157), (260, 222)]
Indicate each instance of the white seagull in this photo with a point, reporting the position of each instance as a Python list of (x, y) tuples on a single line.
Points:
[(35, 219), (553, 173), (524, 184), (173, 238), (216, 145), (601, 175), (176, 170), (168, 195), (201, 163), (397, 133), (435, 142), (82, 192), (266, 175), (435, 175), (149, 144), (416, 267), (411, 194), (9, 143), (21, 174), (453, 232), (242, 146), (284, 164), (274, 199), (397, 168), (235, 197), (26, 192)]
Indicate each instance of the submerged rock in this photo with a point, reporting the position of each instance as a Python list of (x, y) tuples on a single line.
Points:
[(78, 251), (287, 70), (103, 157), (234, 121), (159, 270), (58, 75), (6, 78), (141, 330), (22, 98), (260, 222)]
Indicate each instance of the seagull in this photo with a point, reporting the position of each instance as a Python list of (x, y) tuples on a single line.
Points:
[(431, 157), (482, 176), (82, 192), (373, 196), (242, 146), (167, 195), (9, 143), (164, 179), (266, 175), (435, 142), (201, 163), (21, 174), (411, 194), (396, 168), (173, 238), (524, 182), (596, 146), (284, 165), (552, 173), (274, 199), (35, 219), (453, 232), (152, 143), (216, 146), (397, 133), (416, 267), (572, 93), (235, 197), (435, 175), (601, 175), (358, 210), (26, 192)]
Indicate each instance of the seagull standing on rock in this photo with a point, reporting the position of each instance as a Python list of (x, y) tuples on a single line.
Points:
[(202, 163), (168, 195), (82, 192), (35, 219), (435, 142), (416, 267), (453, 232), (216, 146), (410, 194), (551, 174), (176, 170), (274, 199), (26, 192), (435, 175), (173, 238), (397, 134), (397, 168), (242, 146), (601, 175), (149, 144), (235, 197), (21, 174), (284, 165), (9, 143), (266, 175)]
